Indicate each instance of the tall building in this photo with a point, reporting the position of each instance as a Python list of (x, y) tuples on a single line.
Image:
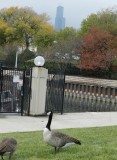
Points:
[(59, 19)]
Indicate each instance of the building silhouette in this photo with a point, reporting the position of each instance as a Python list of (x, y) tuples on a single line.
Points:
[(59, 19)]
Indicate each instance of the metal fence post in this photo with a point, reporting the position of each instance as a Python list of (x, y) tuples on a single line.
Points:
[(22, 93), (30, 82), (63, 94)]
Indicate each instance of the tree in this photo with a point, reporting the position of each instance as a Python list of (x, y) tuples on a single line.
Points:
[(50, 42), (88, 23), (22, 24), (105, 19), (10, 54), (26, 55), (68, 42), (2, 56), (44, 40), (3, 28), (97, 50)]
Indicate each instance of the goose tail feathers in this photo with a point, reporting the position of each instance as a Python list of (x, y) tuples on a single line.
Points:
[(78, 142)]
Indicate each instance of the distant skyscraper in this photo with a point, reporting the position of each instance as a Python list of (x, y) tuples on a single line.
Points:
[(59, 19)]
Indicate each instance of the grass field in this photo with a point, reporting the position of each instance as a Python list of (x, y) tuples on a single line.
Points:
[(97, 144)]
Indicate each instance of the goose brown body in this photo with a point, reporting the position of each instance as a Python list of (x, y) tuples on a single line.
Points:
[(8, 145), (57, 139)]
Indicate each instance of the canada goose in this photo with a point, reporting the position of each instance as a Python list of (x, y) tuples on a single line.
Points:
[(8, 145), (56, 139)]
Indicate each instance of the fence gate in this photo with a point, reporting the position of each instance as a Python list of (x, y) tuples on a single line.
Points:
[(11, 90), (55, 92)]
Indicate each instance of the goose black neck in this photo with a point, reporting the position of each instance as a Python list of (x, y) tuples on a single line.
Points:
[(49, 121)]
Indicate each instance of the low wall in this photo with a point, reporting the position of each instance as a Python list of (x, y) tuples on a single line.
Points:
[(83, 94), (88, 91)]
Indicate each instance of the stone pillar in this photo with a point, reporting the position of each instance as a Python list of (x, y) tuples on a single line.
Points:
[(38, 91)]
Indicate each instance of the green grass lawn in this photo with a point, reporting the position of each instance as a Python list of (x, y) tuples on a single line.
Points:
[(97, 144)]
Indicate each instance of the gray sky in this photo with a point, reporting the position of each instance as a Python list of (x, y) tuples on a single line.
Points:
[(74, 10)]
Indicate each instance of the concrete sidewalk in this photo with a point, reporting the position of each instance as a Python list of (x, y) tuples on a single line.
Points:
[(17, 123)]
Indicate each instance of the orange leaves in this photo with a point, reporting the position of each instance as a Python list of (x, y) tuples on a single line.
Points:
[(97, 49)]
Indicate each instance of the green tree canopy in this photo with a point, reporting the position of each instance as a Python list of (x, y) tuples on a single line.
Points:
[(22, 24), (105, 19), (67, 41), (3, 30)]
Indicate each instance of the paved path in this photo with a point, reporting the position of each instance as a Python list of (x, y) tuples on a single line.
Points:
[(17, 123)]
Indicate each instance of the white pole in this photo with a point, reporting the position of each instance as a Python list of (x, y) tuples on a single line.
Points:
[(16, 59)]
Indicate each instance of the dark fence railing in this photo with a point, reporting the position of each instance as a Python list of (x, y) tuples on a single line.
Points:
[(11, 83), (14, 90), (77, 96), (55, 92)]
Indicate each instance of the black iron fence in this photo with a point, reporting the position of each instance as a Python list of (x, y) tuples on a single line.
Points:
[(11, 90), (14, 90), (55, 92), (27, 92)]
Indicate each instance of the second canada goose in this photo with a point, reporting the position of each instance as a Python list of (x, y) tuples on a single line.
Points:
[(8, 145), (55, 138)]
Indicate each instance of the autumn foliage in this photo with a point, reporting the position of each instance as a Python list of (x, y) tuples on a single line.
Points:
[(97, 51)]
